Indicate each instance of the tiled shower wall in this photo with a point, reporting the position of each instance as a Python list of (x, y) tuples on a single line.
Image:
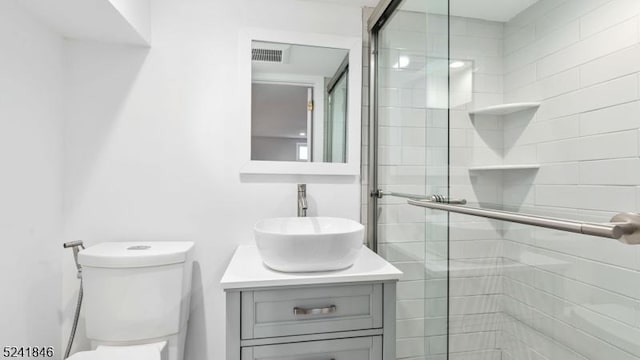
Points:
[(475, 243), (556, 295), (401, 229), (413, 158), (402, 168), (568, 296), (519, 292), (364, 131), (412, 153)]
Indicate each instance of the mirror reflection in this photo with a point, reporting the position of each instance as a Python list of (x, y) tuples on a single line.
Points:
[(298, 102)]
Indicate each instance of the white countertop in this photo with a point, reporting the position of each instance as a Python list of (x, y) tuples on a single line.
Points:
[(246, 270)]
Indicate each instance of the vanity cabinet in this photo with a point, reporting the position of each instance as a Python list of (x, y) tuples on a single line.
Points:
[(342, 315), (362, 348), (333, 322), (310, 310)]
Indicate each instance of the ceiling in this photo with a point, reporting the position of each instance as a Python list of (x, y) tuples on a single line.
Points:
[(499, 10), (493, 10)]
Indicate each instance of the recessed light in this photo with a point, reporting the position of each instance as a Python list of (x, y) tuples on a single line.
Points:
[(456, 64), (403, 62), (303, 134)]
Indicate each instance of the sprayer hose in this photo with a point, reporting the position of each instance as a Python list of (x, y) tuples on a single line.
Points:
[(76, 317)]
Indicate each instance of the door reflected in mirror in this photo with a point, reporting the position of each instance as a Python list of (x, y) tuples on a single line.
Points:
[(298, 102)]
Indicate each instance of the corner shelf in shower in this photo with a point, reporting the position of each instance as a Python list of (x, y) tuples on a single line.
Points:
[(505, 167), (505, 109)]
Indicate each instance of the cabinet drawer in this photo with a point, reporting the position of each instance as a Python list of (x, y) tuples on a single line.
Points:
[(310, 310), (365, 348)]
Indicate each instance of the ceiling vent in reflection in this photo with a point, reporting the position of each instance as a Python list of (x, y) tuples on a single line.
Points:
[(267, 55), (270, 52)]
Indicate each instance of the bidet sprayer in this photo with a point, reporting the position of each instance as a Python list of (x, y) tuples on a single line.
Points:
[(76, 246)]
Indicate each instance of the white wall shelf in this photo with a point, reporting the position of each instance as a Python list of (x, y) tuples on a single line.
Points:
[(505, 167), (505, 109)]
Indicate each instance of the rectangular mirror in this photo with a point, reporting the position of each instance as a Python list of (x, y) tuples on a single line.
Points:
[(298, 102), (304, 94)]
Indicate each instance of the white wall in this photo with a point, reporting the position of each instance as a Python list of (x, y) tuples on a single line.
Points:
[(155, 143), (30, 180)]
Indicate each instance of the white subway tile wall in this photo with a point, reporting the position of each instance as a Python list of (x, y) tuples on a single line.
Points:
[(567, 296), (475, 245), (412, 158), (515, 292), (364, 153)]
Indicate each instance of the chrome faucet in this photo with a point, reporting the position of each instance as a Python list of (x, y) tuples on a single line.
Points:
[(302, 200)]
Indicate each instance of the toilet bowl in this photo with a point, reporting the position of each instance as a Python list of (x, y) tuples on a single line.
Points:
[(154, 351), (136, 299)]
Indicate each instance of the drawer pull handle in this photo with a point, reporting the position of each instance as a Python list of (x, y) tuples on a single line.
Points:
[(315, 311)]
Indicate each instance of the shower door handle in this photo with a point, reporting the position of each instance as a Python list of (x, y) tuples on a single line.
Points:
[(430, 198)]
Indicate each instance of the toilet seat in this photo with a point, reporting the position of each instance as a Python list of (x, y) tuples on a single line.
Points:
[(154, 351)]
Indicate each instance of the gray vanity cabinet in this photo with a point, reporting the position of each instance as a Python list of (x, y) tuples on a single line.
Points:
[(352, 321), (362, 348)]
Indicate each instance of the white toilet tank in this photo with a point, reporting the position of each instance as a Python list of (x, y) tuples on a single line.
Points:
[(137, 292)]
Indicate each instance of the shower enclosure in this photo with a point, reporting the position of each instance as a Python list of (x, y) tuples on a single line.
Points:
[(504, 152)]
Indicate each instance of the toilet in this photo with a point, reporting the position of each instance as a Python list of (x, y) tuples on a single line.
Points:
[(130, 352), (136, 299)]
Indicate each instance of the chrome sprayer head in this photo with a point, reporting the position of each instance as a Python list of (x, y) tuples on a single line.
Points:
[(76, 246)]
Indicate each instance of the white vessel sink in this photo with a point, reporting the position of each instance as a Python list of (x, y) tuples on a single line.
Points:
[(303, 244)]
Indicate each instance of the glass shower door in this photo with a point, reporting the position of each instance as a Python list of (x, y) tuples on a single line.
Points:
[(538, 119), (410, 158)]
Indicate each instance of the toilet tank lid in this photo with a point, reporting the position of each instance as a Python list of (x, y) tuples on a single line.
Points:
[(119, 254)]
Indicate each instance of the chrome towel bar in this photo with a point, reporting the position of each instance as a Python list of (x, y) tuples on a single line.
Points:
[(624, 226)]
